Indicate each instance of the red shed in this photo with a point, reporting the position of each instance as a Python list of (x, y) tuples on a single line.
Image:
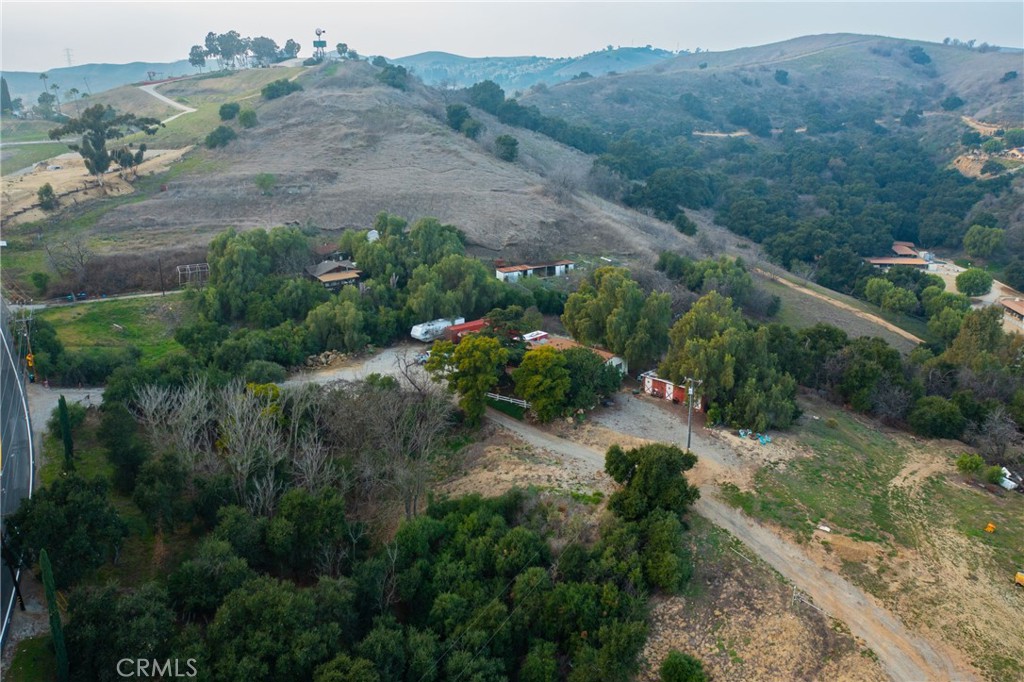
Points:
[(457, 331)]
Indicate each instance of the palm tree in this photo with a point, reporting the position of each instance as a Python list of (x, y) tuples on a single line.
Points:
[(73, 93), (55, 88), (43, 77)]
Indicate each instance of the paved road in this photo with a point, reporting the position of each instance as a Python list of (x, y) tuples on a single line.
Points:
[(59, 303), (904, 656)]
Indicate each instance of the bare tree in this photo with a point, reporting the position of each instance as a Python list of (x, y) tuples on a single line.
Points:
[(154, 407), (263, 494), (313, 467), (890, 401), (70, 256), (996, 437), (191, 423), (250, 440)]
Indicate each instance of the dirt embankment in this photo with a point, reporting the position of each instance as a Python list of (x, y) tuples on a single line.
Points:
[(72, 183)]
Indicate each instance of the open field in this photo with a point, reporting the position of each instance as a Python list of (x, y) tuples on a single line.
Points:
[(147, 323), (18, 130), (20, 157), (905, 527)]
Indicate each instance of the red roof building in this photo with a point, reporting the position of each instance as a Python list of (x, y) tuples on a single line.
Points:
[(455, 332)]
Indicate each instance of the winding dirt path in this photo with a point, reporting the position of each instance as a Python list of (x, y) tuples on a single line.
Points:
[(839, 304), (904, 655), (151, 90)]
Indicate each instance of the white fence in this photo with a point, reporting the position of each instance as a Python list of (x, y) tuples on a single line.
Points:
[(506, 399)]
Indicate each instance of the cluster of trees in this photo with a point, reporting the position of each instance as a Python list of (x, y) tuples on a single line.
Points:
[(987, 242), (280, 88), (459, 119), (611, 310), (282, 582), (232, 50), (490, 97), (729, 277), (395, 76), (258, 309)]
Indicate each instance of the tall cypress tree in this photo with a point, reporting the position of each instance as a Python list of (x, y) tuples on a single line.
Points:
[(56, 627), (65, 434), (5, 97)]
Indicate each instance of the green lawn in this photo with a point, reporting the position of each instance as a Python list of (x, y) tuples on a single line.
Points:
[(146, 323), (14, 159), (19, 130), (34, 661)]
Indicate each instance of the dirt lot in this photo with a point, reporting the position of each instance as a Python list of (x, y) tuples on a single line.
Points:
[(72, 183)]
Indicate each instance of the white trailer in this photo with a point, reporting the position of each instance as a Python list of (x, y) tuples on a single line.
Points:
[(428, 331)]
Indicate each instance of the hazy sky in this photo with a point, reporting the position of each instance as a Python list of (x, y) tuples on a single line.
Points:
[(35, 34)]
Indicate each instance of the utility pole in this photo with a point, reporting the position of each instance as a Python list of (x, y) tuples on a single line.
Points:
[(160, 266), (689, 407)]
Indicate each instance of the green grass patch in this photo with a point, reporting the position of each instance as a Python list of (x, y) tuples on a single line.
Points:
[(593, 498), (19, 130), (146, 323), (13, 159), (847, 483), (512, 410), (33, 661)]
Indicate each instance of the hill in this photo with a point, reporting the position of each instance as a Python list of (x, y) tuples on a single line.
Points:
[(348, 147), (827, 79), (451, 70), (91, 78)]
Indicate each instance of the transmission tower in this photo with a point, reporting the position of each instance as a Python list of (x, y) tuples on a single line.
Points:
[(67, 55)]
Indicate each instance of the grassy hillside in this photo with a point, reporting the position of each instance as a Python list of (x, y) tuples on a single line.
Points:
[(822, 73), (348, 147)]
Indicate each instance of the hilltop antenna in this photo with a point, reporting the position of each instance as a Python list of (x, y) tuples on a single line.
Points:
[(319, 44), (67, 55)]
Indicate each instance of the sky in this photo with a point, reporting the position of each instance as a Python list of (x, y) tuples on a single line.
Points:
[(34, 35)]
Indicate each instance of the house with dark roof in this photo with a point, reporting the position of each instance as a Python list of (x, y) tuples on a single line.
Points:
[(334, 273)]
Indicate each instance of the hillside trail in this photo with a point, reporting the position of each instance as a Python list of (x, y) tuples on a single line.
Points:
[(904, 655), (839, 304), (151, 90)]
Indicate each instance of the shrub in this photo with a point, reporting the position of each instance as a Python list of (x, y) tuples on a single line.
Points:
[(952, 102), (969, 463), (506, 147), (279, 88), (680, 667), (395, 76), (684, 224), (918, 55), (247, 118), (220, 137), (471, 128), (229, 111), (76, 415), (47, 197), (782, 77), (992, 167), (1008, 76), (993, 475), (265, 182), (41, 281), (264, 372)]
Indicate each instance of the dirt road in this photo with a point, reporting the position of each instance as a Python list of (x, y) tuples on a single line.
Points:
[(904, 655), (151, 90)]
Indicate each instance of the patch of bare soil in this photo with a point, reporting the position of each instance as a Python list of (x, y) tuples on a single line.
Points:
[(742, 621), (500, 461), (72, 183), (970, 165)]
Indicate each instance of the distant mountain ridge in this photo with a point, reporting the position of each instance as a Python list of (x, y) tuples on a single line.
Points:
[(442, 68), (90, 77)]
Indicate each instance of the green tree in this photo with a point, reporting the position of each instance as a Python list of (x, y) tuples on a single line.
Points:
[(983, 242), (935, 417), (610, 309), (457, 115), (56, 627), (992, 145), (6, 105), (247, 118), (1014, 137), (47, 197), (199, 585), (229, 110), (264, 50), (292, 48), (73, 519), (589, 378), (472, 128), (220, 137), (67, 438), (876, 289), (41, 281), (280, 88), (543, 380), (342, 49), (781, 77), (338, 324), (952, 102), (652, 478), (471, 370), (974, 282), (506, 148), (197, 57), (97, 125), (486, 95), (394, 76), (680, 667), (899, 300)]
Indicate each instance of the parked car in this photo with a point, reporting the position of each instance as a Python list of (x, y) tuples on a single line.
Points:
[(422, 358)]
